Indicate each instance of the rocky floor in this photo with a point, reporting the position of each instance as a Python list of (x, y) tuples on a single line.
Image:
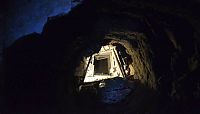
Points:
[(117, 97)]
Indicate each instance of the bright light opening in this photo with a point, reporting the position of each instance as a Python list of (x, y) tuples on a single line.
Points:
[(105, 75), (105, 64)]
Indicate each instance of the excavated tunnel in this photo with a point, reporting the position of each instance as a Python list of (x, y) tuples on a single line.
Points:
[(45, 72)]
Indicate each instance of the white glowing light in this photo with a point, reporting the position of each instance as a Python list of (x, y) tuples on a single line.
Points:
[(108, 55)]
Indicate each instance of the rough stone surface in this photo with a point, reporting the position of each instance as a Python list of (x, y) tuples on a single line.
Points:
[(161, 37)]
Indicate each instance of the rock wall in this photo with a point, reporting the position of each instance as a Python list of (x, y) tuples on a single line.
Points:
[(163, 40)]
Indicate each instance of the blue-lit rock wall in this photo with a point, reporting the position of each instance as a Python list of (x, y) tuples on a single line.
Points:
[(22, 17), (27, 16)]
